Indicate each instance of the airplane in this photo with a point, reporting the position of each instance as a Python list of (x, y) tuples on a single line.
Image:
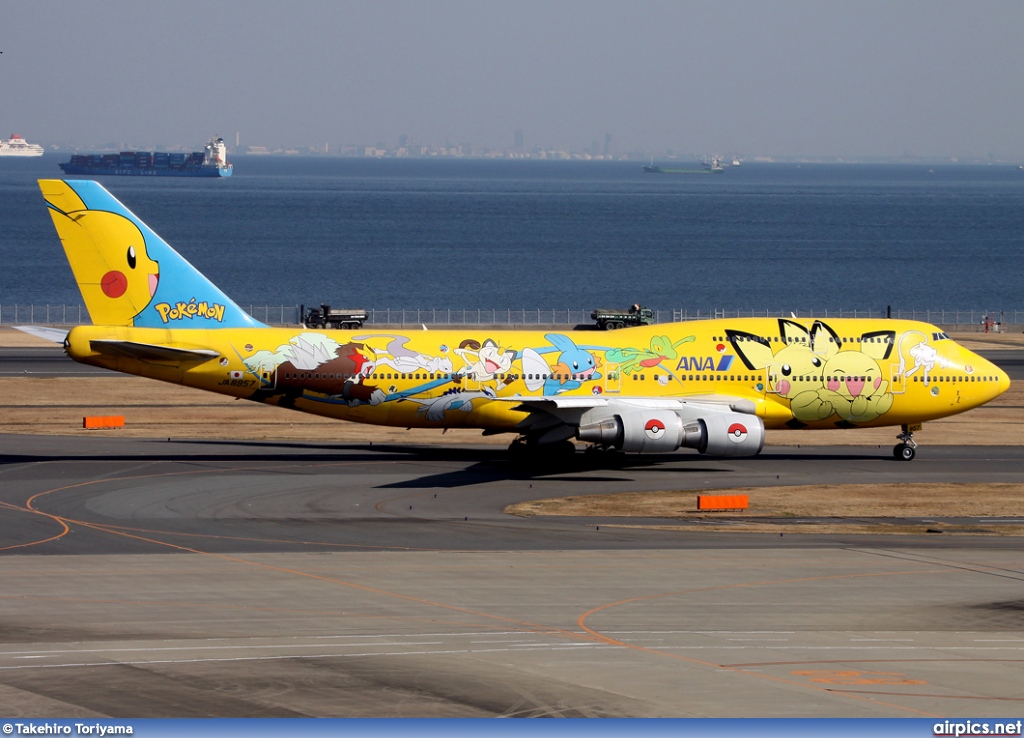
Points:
[(710, 385)]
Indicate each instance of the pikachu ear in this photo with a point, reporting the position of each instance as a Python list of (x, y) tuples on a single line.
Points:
[(878, 344), (755, 351), (792, 332), (824, 340)]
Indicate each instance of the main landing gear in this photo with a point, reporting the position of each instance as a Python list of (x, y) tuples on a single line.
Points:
[(906, 450), (525, 450)]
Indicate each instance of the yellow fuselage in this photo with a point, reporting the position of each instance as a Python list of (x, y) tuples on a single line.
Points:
[(797, 373)]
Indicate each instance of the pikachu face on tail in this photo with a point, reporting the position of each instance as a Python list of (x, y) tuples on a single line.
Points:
[(108, 255)]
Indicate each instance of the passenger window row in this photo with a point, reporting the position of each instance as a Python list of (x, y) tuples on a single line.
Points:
[(636, 377), (955, 378), (803, 339)]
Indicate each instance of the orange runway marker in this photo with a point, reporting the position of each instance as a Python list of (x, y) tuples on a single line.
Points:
[(722, 502), (103, 421)]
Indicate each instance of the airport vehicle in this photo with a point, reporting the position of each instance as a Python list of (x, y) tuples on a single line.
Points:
[(712, 385), (211, 162), (327, 317), (609, 320)]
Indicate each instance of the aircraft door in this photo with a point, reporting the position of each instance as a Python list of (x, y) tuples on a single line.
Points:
[(266, 374), (612, 378), (897, 379)]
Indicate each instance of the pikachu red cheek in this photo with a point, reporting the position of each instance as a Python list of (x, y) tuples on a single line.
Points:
[(114, 284)]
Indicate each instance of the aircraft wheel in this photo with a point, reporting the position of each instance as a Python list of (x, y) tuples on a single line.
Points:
[(904, 452), (561, 450), (517, 448)]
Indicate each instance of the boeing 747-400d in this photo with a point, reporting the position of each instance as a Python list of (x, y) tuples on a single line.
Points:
[(710, 385)]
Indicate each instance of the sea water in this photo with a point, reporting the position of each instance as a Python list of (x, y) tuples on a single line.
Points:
[(440, 234)]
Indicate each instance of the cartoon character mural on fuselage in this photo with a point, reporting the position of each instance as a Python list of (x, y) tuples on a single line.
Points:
[(713, 385)]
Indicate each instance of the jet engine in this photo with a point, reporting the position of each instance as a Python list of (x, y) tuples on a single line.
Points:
[(664, 431), (730, 434)]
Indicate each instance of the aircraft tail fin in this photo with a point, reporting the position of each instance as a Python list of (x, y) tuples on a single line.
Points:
[(127, 274)]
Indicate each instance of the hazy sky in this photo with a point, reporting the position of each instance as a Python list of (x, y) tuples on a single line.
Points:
[(782, 77)]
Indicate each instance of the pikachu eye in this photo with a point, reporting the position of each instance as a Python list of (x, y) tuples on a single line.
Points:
[(786, 370), (131, 256), (816, 361)]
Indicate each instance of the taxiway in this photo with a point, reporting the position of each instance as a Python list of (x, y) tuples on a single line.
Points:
[(182, 578)]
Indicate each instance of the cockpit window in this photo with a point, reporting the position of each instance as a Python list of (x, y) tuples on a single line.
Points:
[(942, 336)]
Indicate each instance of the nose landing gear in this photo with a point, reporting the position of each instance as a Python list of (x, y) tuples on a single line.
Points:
[(906, 450)]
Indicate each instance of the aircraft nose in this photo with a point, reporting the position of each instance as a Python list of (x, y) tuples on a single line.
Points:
[(1003, 381), (995, 380)]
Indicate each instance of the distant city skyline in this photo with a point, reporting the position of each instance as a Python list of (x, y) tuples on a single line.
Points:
[(594, 151), (784, 79)]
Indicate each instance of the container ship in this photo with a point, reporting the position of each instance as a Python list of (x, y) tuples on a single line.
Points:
[(209, 163), (712, 167)]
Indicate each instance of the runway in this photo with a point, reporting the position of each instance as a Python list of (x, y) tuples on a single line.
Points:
[(45, 361), (405, 497), (174, 578)]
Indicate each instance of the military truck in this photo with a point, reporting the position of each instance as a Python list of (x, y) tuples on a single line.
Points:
[(327, 317), (609, 320)]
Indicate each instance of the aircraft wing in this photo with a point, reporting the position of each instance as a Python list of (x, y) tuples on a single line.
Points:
[(556, 403), (722, 425), (152, 353)]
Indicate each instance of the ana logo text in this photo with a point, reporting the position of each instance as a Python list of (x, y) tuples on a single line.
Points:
[(704, 364), (190, 310)]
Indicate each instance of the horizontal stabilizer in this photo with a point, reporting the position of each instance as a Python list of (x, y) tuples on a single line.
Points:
[(57, 335), (151, 352)]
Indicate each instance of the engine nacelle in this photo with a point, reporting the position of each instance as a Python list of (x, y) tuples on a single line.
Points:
[(664, 431), (637, 432), (728, 434)]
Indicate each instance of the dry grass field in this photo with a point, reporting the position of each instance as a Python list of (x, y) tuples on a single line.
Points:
[(847, 504)]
